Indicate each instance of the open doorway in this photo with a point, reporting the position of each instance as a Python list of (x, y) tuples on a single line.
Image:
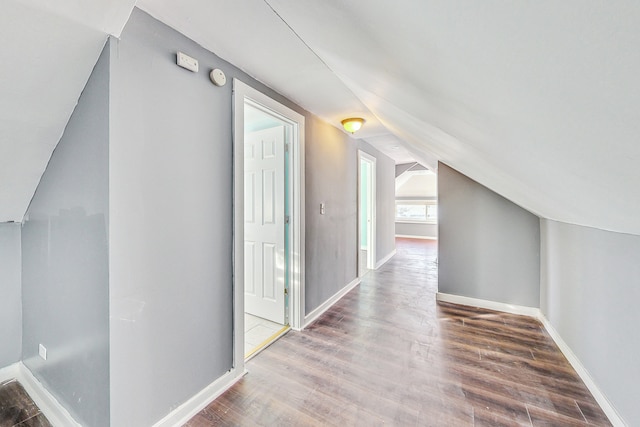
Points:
[(266, 278), (416, 202), (416, 216), (366, 213), (268, 221)]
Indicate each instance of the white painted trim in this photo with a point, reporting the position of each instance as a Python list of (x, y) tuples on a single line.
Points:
[(238, 229), (241, 93), (490, 305), (10, 372), (602, 400), (199, 401), (409, 236), (385, 259), (46, 402), (372, 199), (58, 415), (309, 318), (582, 372)]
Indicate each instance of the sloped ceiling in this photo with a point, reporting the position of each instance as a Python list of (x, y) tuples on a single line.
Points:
[(250, 35), (48, 51), (417, 184), (538, 101)]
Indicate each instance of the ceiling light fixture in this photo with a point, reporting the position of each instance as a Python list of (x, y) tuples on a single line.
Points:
[(353, 124)]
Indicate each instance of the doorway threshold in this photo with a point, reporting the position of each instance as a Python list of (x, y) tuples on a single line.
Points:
[(266, 343)]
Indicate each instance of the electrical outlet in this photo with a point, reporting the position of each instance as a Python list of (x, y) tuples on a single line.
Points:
[(42, 351)]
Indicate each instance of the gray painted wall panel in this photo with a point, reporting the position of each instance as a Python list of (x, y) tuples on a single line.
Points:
[(332, 167), (65, 262), (331, 178), (385, 202), (171, 223), (590, 293), (171, 240), (488, 247), (10, 295)]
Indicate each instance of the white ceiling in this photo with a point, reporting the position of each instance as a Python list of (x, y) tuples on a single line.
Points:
[(48, 50), (250, 35), (539, 101), (417, 183)]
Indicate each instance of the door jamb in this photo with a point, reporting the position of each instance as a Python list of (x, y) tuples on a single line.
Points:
[(241, 93), (371, 253)]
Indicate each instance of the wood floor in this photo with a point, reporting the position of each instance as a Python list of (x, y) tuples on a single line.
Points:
[(17, 409), (388, 354)]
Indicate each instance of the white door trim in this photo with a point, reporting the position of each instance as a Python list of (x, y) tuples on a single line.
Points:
[(371, 253), (243, 93)]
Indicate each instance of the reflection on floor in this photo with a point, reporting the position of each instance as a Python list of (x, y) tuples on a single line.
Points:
[(258, 332), (388, 353), (17, 408)]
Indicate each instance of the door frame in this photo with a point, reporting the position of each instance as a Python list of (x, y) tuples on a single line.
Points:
[(371, 238), (243, 93)]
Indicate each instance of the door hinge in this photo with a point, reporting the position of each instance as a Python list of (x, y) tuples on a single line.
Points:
[(286, 291), (286, 148), (286, 219)]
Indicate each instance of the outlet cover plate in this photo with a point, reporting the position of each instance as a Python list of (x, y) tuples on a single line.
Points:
[(42, 351), (185, 61)]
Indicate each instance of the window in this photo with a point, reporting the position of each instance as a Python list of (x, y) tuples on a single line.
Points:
[(416, 211)]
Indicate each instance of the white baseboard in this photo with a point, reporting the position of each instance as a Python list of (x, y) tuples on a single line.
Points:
[(385, 259), (582, 372), (328, 303), (58, 416), (197, 403), (48, 404), (490, 305), (409, 236), (10, 372), (602, 400)]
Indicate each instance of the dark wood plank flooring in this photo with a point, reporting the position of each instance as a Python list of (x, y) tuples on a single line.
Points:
[(389, 354), (17, 408)]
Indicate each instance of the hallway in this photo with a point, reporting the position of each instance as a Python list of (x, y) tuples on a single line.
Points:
[(388, 354)]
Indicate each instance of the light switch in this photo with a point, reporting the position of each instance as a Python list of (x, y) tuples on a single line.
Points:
[(321, 208)]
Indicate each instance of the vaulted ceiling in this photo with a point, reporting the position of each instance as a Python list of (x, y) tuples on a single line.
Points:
[(539, 101), (48, 50)]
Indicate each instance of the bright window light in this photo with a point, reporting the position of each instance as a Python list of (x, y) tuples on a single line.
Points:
[(416, 211)]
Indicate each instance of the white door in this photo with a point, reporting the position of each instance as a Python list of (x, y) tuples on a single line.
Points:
[(264, 250)]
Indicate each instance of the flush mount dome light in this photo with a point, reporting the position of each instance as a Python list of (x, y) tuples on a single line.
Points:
[(353, 124)]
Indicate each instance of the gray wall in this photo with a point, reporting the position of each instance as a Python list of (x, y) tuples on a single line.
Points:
[(331, 177), (171, 223), (171, 219), (403, 167), (488, 247), (385, 201), (10, 295), (416, 229), (127, 244), (590, 292), (65, 275)]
